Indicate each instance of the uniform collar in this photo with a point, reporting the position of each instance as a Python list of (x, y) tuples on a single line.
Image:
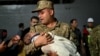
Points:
[(57, 25)]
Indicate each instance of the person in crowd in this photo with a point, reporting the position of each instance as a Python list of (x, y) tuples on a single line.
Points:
[(21, 29), (94, 45), (3, 36), (14, 48), (86, 35), (5, 46), (90, 26), (33, 21), (77, 32)]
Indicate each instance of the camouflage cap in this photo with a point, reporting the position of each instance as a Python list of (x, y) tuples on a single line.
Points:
[(42, 4)]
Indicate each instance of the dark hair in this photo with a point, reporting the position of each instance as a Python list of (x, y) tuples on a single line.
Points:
[(21, 25), (73, 20), (34, 17)]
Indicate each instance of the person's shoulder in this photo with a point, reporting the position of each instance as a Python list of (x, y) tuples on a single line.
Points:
[(97, 28), (39, 25), (96, 31), (64, 24)]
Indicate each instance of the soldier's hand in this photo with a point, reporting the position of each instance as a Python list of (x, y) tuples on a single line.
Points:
[(43, 39)]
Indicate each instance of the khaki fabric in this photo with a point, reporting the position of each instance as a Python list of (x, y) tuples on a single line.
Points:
[(61, 29), (94, 44), (42, 4)]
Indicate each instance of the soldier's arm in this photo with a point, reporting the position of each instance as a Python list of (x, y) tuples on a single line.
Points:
[(30, 48), (43, 39), (66, 30)]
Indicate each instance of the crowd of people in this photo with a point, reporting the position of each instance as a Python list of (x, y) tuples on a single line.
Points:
[(86, 42)]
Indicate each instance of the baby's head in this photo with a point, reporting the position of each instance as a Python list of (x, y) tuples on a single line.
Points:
[(27, 38)]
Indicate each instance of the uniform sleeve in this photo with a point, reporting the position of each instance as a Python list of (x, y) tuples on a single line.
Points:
[(30, 48), (65, 29)]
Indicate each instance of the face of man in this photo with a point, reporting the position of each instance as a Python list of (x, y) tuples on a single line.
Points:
[(33, 22), (90, 24), (74, 24), (45, 15)]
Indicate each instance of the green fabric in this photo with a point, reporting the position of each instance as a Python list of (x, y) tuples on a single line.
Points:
[(94, 44)]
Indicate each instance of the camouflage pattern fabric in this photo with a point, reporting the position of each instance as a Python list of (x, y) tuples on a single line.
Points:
[(61, 29), (94, 44), (73, 37)]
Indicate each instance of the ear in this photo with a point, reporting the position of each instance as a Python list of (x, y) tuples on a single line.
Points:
[(51, 12)]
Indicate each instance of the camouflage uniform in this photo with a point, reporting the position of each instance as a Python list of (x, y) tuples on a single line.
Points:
[(27, 49), (61, 29), (94, 44)]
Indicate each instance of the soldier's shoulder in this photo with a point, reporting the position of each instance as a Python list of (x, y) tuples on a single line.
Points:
[(96, 31), (97, 28), (39, 25), (64, 24)]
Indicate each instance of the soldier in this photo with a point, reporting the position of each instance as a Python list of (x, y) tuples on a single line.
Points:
[(49, 23), (94, 45)]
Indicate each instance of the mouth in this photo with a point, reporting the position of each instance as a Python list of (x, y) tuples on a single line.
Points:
[(41, 19)]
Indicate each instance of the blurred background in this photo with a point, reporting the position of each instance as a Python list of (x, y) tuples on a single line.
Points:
[(13, 12)]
